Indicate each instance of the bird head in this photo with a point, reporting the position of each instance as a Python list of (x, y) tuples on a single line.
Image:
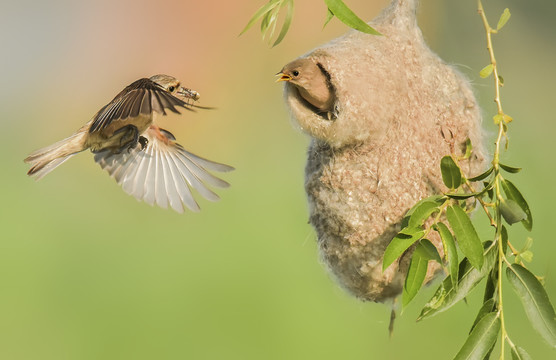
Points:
[(299, 72), (172, 85)]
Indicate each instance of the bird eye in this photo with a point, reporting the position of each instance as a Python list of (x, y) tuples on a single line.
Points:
[(295, 73), (171, 89)]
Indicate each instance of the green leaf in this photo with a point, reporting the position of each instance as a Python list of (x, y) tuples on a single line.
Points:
[(483, 175), (438, 199), (535, 301), (497, 118), (415, 274), (287, 23), (486, 71), (428, 251), (260, 13), (265, 22), (329, 16), (501, 79), (512, 193), (466, 236), (399, 244), (422, 212), (504, 237), (345, 15), (481, 339), (503, 18), (451, 174), (519, 353), (447, 295), (468, 149), (464, 196), (450, 251), (527, 256), (510, 169), (487, 308), (511, 211), (490, 286)]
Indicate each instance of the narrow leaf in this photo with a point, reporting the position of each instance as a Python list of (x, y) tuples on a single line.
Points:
[(265, 22), (510, 169), (451, 174), (464, 195), (450, 251), (438, 199), (535, 301), (415, 275), (519, 353), (503, 18), (447, 295), (482, 176), (286, 25), (260, 13), (422, 213), (481, 339), (486, 71), (487, 308), (504, 238), (345, 15), (466, 236), (513, 193), (273, 22), (329, 16), (427, 250), (468, 149), (399, 244), (511, 211), (490, 286)]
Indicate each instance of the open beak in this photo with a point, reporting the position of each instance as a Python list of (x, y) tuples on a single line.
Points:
[(283, 77), (188, 93)]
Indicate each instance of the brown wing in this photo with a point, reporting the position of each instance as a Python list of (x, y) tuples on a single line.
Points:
[(144, 96)]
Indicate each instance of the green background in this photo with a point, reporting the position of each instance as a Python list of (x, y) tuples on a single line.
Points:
[(87, 272)]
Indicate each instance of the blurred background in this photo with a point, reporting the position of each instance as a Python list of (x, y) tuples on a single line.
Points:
[(87, 272)]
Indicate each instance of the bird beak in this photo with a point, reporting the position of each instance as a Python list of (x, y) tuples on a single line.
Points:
[(283, 77), (188, 93)]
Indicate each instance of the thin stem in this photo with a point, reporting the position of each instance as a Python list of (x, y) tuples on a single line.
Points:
[(497, 176), (489, 32)]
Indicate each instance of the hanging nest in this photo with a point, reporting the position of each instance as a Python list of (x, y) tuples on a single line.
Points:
[(399, 109)]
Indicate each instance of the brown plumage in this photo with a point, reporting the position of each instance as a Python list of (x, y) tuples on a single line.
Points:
[(311, 81), (145, 159)]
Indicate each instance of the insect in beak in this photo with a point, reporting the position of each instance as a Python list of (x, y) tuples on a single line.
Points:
[(188, 93)]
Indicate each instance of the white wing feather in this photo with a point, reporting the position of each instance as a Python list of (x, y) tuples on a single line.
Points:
[(163, 174)]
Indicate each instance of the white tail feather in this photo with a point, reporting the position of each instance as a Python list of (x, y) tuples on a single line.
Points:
[(48, 158)]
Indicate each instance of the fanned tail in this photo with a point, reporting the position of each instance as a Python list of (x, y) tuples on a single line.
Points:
[(48, 158)]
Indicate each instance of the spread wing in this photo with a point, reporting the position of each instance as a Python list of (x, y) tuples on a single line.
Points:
[(164, 173), (144, 96)]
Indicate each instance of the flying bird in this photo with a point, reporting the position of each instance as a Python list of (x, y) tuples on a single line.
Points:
[(143, 158)]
